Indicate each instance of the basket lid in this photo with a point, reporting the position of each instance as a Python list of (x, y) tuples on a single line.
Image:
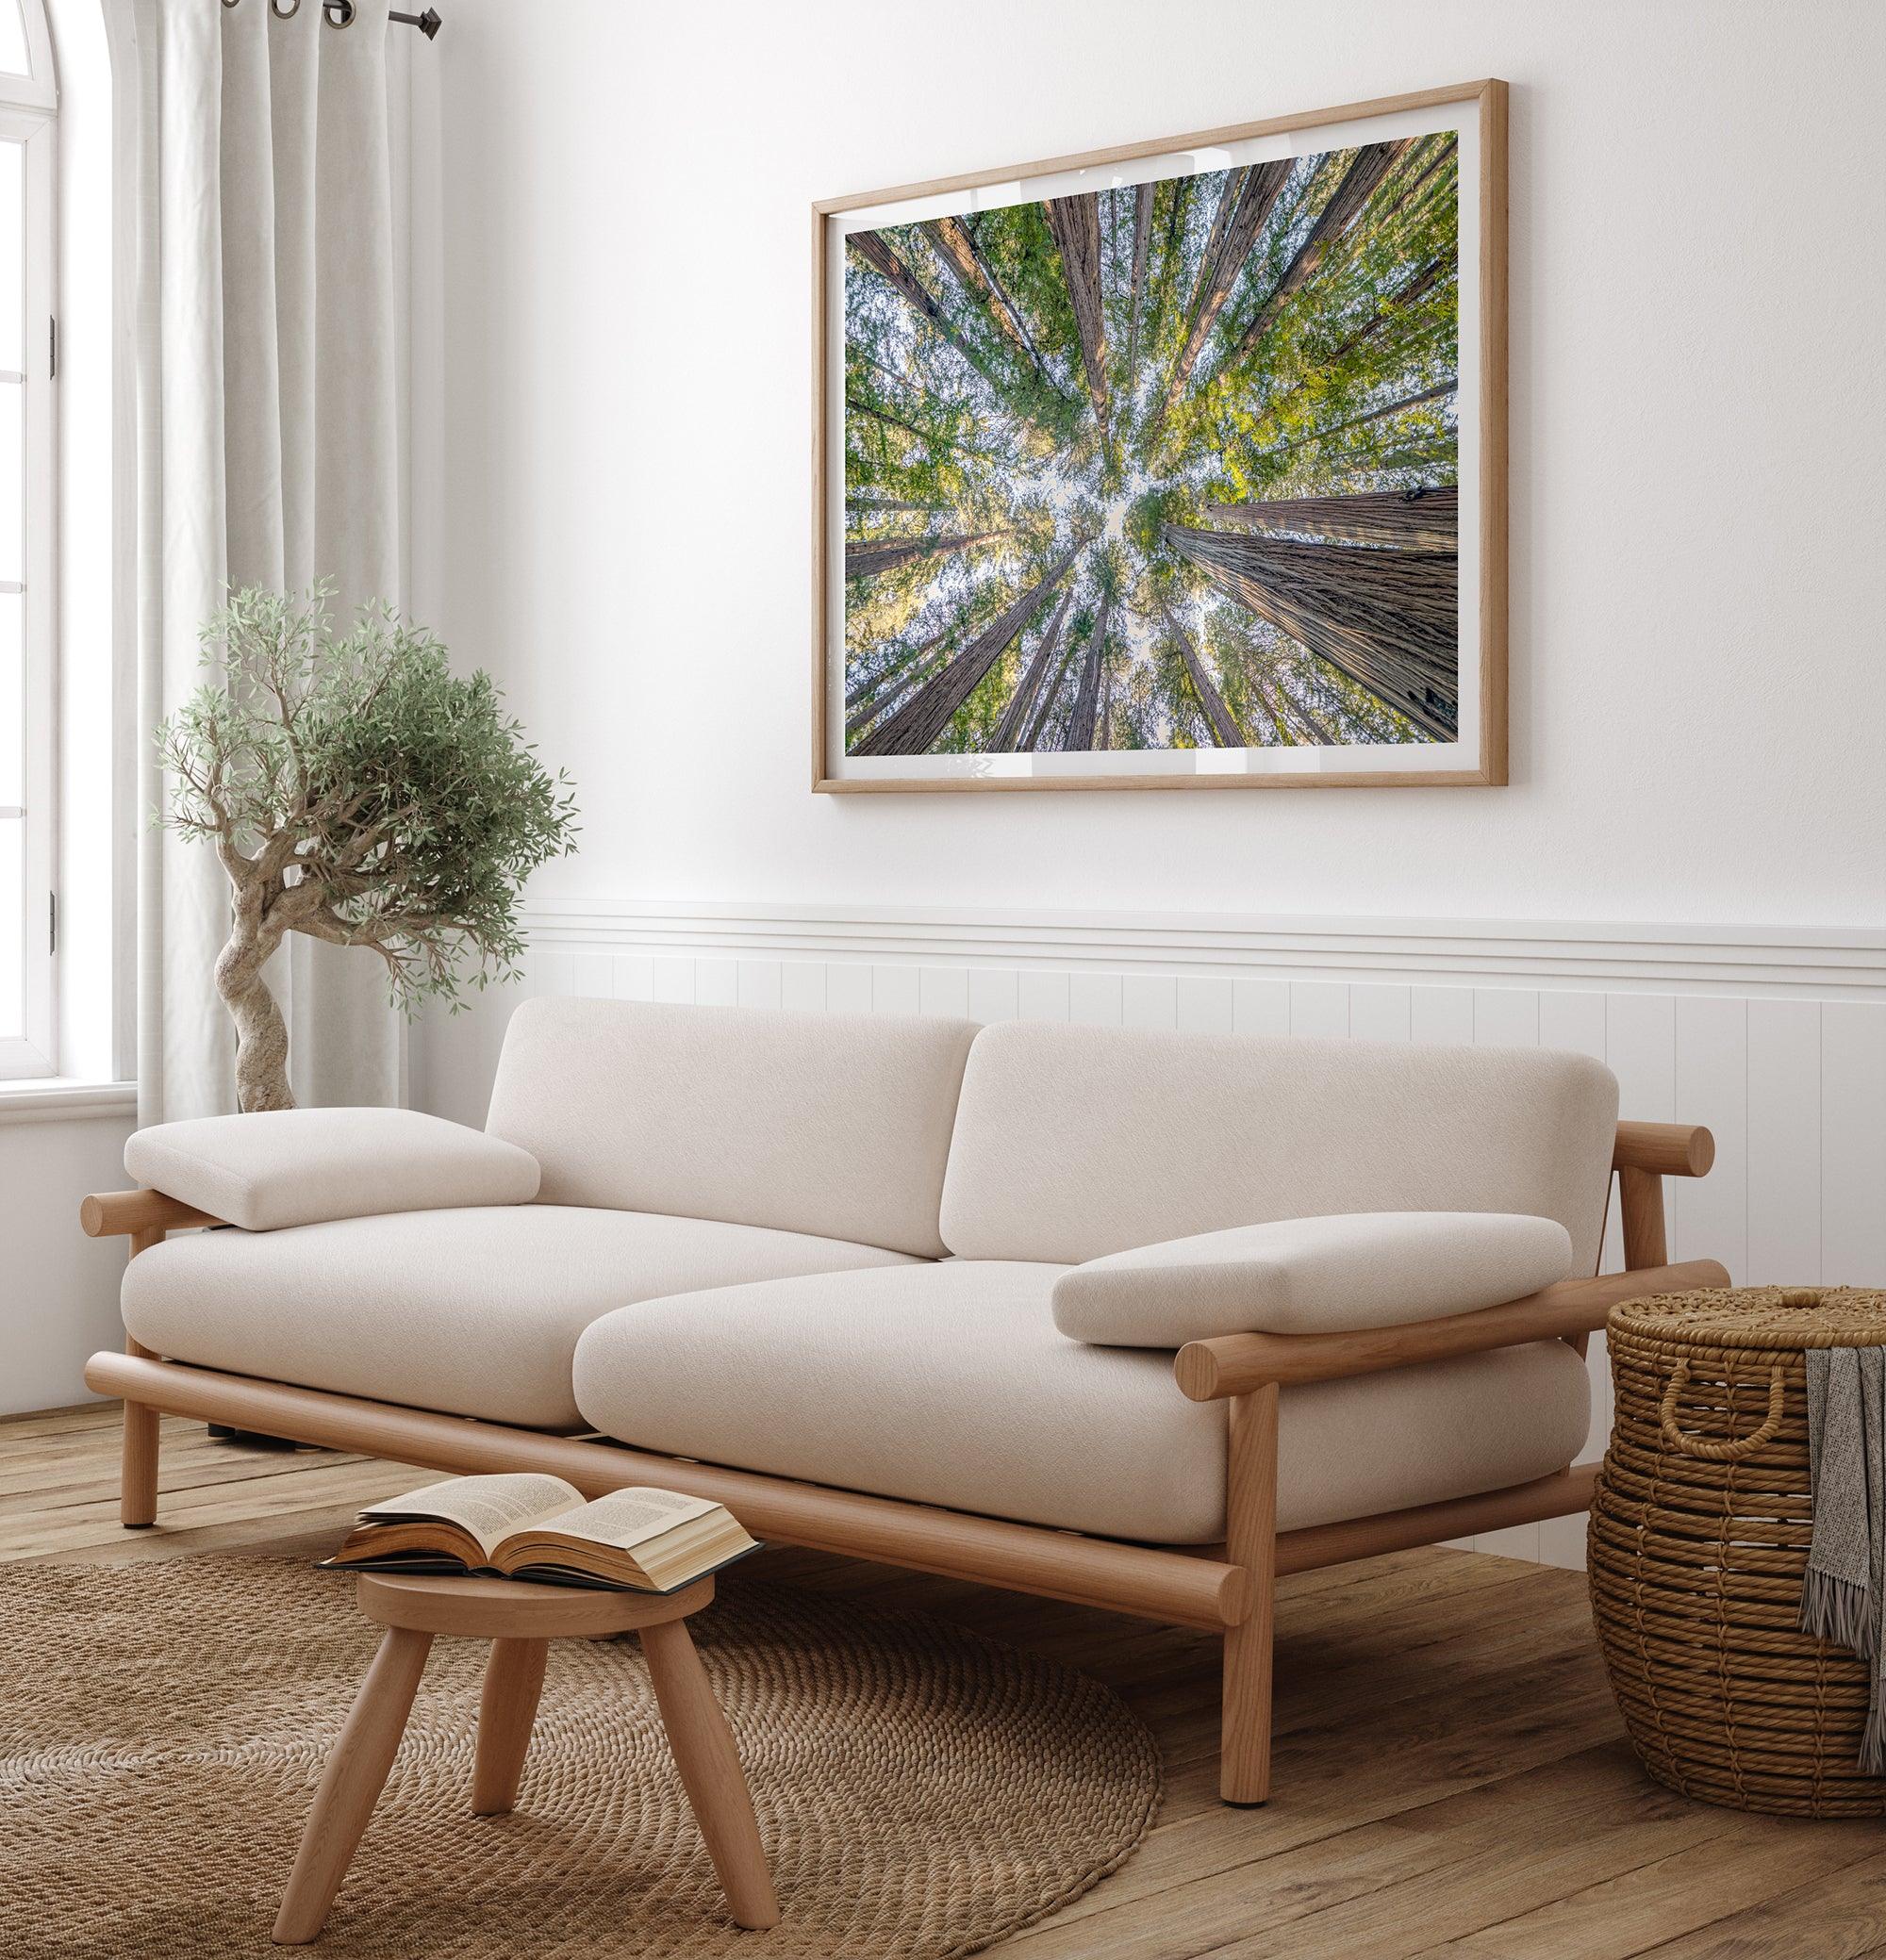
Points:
[(1761, 1316)]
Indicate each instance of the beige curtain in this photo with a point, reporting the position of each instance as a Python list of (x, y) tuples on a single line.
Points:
[(269, 434)]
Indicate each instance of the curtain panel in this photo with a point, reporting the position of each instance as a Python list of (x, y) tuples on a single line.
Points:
[(269, 451)]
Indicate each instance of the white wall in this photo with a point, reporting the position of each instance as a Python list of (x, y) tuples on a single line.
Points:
[(58, 1291), (618, 450)]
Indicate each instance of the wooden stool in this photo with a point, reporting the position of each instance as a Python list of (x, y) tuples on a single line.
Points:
[(521, 1621)]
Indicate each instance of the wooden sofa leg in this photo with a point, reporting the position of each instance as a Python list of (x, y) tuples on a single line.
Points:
[(137, 1473), (1250, 1540)]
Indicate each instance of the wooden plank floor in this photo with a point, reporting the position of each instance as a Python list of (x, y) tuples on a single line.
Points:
[(1450, 1774)]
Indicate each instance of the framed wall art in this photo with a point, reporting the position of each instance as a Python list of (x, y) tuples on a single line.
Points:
[(1176, 465)]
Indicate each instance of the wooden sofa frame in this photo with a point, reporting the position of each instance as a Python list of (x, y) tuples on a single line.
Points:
[(1223, 1589)]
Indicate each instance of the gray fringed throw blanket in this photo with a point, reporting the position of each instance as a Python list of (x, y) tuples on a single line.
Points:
[(1844, 1595)]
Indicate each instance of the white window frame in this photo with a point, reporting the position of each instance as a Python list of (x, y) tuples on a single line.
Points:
[(28, 105)]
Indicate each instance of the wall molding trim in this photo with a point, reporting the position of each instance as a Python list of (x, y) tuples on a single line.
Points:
[(53, 1100), (1830, 963)]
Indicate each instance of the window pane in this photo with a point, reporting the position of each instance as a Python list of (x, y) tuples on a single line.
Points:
[(12, 40), (13, 923), (12, 250), (12, 700)]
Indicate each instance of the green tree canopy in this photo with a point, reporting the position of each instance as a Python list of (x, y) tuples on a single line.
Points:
[(1213, 412)]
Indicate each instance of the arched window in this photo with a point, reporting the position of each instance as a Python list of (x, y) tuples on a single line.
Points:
[(29, 505)]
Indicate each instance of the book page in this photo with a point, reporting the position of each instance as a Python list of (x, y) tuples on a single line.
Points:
[(626, 1518), (489, 1508)]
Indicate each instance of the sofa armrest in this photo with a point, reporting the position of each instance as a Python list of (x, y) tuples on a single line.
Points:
[(1664, 1149), (115, 1215), (288, 1167), (1310, 1276), (1234, 1364)]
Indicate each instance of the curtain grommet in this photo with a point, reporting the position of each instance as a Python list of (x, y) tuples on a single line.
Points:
[(229, 3), (281, 12), (337, 13)]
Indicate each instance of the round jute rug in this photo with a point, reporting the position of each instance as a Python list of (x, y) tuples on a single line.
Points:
[(921, 1791)]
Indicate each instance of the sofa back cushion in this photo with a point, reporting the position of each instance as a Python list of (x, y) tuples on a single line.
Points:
[(837, 1125), (1073, 1143)]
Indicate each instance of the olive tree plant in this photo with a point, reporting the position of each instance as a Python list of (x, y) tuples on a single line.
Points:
[(357, 790)]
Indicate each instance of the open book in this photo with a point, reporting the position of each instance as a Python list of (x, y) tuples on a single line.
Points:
[(537, 1527)]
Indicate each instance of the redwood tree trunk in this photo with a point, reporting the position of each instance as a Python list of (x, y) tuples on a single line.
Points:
[(1225, 731), (914, 672), (1087, 699), (1360, 182), (1392, 308), (1437, 393), (1408, 190), (261, 1035), (868, 690), (1301, 709), (1426, 519), (1045, 706), (1388, 620), (1142, 238), (863, 560), (1076, 225), (958, 248), (914, 726), (1001, 292), (1234, 232), (882, 259), (1012, 716)]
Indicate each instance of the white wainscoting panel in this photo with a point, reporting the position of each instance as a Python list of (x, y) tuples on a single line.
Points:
[(1776, 1039)]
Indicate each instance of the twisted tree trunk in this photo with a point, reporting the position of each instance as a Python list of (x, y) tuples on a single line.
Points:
[(261, 1035)]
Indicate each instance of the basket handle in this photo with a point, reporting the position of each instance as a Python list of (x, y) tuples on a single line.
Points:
[(1720, 1452)]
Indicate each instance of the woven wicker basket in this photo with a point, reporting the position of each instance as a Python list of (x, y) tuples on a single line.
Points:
[(1698, 1546)]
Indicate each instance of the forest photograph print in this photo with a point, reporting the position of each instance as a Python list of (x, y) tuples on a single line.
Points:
[(1162, 468)]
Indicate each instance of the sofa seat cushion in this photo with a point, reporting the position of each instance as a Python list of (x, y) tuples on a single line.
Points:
[(474, 1312), (948, 1384)]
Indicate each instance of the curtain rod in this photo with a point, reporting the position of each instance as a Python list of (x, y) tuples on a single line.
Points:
[(340, 12)]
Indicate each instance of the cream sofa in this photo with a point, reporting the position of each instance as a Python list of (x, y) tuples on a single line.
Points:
[(919, 1291)]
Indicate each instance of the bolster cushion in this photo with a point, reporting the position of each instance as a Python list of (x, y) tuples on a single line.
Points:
[(283, 1167), (1310, 1275)]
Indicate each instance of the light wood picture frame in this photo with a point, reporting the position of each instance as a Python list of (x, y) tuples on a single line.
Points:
[(1175, 466)]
